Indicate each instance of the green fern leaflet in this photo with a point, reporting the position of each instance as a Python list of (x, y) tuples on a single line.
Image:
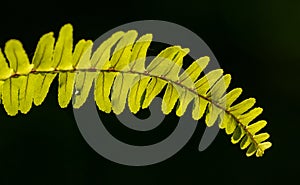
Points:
[(123, 70)]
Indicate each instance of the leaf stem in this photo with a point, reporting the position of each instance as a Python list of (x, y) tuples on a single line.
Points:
[(145, 73)]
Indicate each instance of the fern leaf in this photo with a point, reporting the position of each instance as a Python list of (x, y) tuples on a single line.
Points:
[(122, 54), (261, 137), (139, 53), (65, 89), (154, 87), (220, 87), (245, 119), (101, 56), (251, 150), (242, 107), (199, 108), (246, 141), (103, 85), (43, 62), (5, 71), (262, 147), (184, 99), (138, 59), (17, 57), (26, 93), (42, 83), (42, 59), (136, 93), (203, 84), (237, 135), (230, 97), (193, 71), (10, 95), (255, 127), (122, 84), (83, 80), (169, 99), (62, 55), (81, 49), (120, 76), (19, 63)]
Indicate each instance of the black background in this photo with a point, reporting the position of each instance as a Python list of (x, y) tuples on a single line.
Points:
[(257, 43)]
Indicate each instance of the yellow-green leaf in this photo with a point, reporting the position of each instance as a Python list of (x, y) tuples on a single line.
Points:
[(100, 58), (165, 60), (17, 57), (10, 96), (199, 108), (184, 99), (83, 80), (262, 147), (251, 150), (121, 56), (220, 87), (191, 74), (242, 107), (230, 124), (237, 135), (261, 137), (62, 56), (121, 74), (230, 97), (83, 85), (82, 50), (255, 127), (246, 118), (122, 84), (136, 92), (153, 89), (212, 115), (246, 141), (5, 71), (65, 88), (42, 59), (169, 99), (174, 65), (26, 93), (206, 82), (42, 85), (139, 52), (102, 91)]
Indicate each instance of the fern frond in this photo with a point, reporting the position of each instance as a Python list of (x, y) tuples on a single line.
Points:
[(120, 76)]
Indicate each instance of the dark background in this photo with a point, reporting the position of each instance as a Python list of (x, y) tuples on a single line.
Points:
[(256, 42)]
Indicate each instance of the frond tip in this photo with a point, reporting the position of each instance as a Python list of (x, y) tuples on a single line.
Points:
[(121, 76)]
